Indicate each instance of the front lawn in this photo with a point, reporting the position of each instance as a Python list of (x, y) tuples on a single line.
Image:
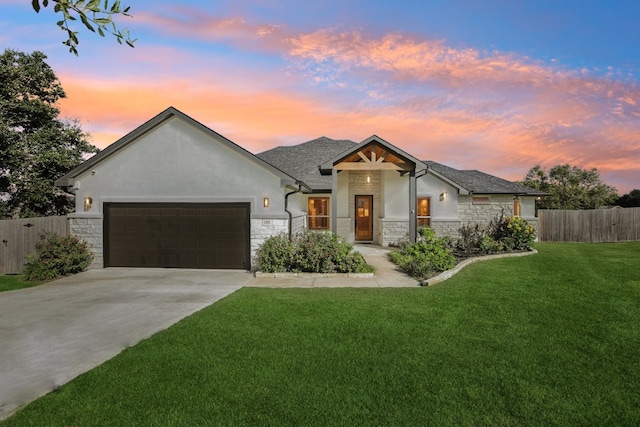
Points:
[(549, 339), (13, 282)]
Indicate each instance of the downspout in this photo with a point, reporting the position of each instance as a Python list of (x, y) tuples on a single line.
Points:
[(286, 206)]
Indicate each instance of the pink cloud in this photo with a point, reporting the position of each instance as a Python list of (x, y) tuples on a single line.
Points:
[(494, 111)]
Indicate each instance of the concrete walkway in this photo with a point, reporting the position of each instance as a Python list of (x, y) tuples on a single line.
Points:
[(52, 333), (386, 275)]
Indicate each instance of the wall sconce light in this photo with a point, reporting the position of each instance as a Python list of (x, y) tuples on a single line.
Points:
[(368, 179), (87, 203), (443, 196), (265, 202)]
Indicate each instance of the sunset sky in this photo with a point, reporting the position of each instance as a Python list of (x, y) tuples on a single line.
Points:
[(494, 85)]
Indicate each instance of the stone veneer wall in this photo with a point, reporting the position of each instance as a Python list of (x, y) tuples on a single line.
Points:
[(394, 231), (263, 228), (446, 228), (482, 213), (471, 213), (298, 223), (89, 229)]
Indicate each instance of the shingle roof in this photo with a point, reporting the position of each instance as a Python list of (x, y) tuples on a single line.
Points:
[(302, 160), (481, 183)]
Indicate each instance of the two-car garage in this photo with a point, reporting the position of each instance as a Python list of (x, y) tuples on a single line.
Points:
[(177, 235)]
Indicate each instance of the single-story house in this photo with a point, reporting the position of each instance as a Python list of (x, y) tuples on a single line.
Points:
[(174, 193)]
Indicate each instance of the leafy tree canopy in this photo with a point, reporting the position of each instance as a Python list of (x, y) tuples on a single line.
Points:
[(95, 15), (631, 200), (570, 187), (36, 147)]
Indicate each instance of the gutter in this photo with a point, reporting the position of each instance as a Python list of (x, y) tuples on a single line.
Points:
[(286, 205)]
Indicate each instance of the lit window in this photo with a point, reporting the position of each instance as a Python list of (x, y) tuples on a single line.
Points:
[(516, 206), (318, 213), (424, 211)]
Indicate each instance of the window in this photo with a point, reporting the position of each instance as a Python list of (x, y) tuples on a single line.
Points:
[(424, 211), (516, 206), (318, 213)]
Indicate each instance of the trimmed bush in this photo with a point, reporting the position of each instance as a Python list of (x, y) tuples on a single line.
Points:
[(57, 256), (425, 258), (310, 252)]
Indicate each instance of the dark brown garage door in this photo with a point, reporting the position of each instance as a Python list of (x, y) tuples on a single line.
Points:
[(180, 235)]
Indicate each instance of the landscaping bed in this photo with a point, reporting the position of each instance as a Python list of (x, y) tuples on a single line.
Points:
[(431, 255)]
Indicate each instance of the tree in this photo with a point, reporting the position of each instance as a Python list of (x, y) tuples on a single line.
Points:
[(570, 187), (36, 147), (94, 17), (631, 200)]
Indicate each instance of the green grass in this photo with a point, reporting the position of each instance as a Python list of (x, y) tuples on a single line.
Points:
[(11, 283), (549, 339)]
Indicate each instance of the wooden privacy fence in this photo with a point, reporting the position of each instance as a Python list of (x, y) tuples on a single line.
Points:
[(589, 226), (18, 238)]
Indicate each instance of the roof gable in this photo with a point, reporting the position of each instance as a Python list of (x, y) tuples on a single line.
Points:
[(154, 123), (361, 153)]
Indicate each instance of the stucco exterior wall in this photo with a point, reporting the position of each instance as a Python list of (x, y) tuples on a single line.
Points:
[(177, 162), (396, 196), (443, 208)]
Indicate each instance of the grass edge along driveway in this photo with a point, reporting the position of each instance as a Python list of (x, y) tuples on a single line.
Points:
[(10, 282), (550, 339)]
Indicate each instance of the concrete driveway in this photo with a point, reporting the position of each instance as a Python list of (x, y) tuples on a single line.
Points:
[(54, 332)]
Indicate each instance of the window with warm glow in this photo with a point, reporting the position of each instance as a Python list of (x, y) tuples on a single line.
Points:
[(424, 211), (318, 213), (516, 207)]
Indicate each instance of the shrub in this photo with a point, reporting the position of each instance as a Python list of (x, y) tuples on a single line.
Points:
[(514, 232), (430, 255), (310, 252), (470, 240), (57, 256), (275, 254)]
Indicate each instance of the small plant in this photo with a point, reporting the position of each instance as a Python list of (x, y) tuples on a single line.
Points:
[(57, 256), (310, 252), (426, 257)]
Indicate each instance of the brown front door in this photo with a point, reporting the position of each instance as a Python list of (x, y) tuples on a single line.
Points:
[(364, 218)]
